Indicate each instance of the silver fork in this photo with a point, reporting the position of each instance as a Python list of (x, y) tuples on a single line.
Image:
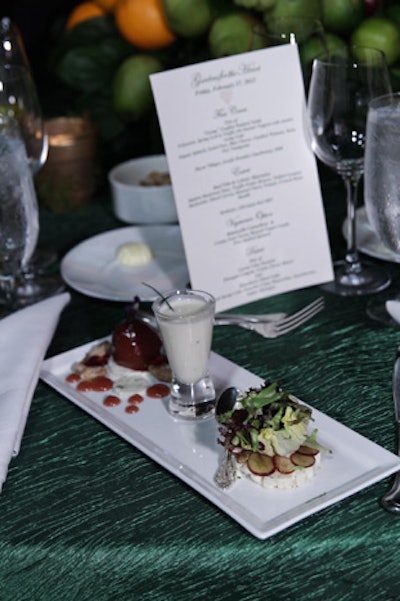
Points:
[(287, 324), (269, 325)]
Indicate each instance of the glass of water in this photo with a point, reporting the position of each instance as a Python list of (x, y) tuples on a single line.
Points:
[(19, 223), (382, 184)]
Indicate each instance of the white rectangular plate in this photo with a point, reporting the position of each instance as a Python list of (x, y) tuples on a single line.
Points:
[(191, 452)]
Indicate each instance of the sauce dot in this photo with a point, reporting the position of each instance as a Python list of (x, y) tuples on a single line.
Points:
[(72, 378), (158, 391), (111, 401), (131, 409), (98, 384), (134, 399)]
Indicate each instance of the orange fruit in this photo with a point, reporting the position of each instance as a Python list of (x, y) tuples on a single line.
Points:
[(342, 16), (381, 33), (107, 5), (143, 23), (83, 12)]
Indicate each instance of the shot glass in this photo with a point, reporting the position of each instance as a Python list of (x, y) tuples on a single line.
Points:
[(186, 321)]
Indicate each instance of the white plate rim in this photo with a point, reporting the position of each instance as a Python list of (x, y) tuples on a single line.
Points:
[(235, 502), (90, 283)]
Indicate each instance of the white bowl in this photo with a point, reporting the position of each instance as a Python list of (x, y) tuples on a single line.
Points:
[(135, 203)]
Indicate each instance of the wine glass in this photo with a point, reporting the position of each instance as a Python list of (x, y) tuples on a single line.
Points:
[(382, 185), (18, 99), (341, 87), (19, 223)]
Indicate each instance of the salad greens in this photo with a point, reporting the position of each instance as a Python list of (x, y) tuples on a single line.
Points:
[(269, 421)]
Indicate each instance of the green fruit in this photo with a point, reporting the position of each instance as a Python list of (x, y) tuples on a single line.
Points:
[(132, 95), (235, 33), (379, 32), (342, 16), (260, 5), (313, 47), (188, 18), (296, 8)]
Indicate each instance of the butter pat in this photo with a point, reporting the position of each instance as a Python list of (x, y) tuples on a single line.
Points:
[(134, 254)]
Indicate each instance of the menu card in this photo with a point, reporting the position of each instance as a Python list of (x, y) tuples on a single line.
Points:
[(244, 176)]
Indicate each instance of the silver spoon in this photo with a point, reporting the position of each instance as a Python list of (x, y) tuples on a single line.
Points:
[(226, 473), (391, 500)]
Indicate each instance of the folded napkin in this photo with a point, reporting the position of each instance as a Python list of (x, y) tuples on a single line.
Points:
[(24, 339), (393, 308)]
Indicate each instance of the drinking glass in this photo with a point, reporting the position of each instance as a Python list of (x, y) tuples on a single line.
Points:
[(19, 224), (186, 320), (12, 52), (340, 89), (382, 185), (18, 99)]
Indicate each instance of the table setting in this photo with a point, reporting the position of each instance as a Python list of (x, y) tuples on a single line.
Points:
[(122, 483)]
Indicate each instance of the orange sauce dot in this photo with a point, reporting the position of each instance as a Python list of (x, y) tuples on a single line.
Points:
[(135, 398), (158, 391), (111, 401), (98, 384), (72, 378)]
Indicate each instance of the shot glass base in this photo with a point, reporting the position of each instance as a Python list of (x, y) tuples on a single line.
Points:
[(192, 402)]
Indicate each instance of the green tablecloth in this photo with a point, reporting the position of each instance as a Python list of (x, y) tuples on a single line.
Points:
[(86, 516)]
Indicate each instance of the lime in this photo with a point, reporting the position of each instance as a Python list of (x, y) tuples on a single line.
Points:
[(315, 46), (132, 95), (235, 33), (260, 5), (342, 16), (379, 32), (188, 18), (295, 8)]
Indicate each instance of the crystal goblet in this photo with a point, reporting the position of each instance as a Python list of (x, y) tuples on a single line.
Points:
[(340, 89)]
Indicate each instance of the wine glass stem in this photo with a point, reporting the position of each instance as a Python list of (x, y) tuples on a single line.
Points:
[(352, 259)]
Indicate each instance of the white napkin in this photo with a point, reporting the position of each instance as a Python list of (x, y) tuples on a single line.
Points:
[(24, 339), (393, 308)]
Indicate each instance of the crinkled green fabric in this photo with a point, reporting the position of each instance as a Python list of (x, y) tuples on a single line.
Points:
[(84, 516)]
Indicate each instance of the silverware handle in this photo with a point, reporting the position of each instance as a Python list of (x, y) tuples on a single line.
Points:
[(221, 318), (227, 318)]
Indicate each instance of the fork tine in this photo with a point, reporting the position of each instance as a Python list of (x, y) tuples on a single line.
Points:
[(297, 319), (317, 303)]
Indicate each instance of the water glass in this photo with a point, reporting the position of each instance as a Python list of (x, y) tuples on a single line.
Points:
[(186, 321), (18, 209), (382, 186)]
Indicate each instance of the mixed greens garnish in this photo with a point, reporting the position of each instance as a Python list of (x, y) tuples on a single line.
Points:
[(269, 421)]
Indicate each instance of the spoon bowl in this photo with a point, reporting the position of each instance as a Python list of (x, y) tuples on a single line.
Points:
[(226, 401)]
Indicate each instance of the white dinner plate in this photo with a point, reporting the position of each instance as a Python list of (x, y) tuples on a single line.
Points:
[(367, 241), (190, 451), (91, 266)]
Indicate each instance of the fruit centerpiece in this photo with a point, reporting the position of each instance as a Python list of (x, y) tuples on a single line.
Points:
[(110, 47)]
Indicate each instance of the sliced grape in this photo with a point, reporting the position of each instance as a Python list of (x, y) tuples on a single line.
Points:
[(242, 457), (305, 450), (302, 460), (260, 465), (283, 464)]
